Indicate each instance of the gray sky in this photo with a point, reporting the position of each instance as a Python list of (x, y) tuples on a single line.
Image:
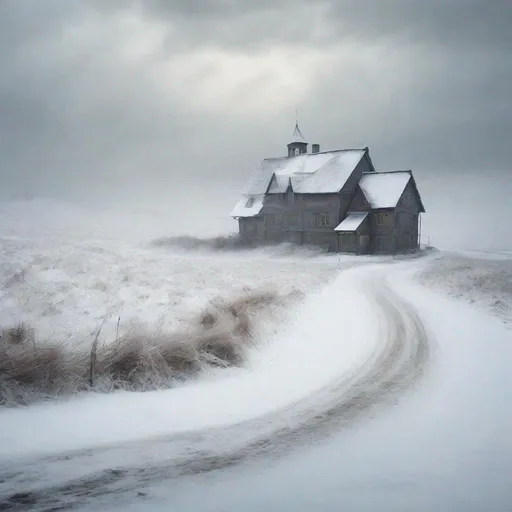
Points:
[(137, 95)]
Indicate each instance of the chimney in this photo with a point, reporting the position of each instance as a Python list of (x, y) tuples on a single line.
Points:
[(315, 148)]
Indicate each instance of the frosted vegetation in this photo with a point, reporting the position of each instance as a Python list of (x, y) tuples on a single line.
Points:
[(137, 360)]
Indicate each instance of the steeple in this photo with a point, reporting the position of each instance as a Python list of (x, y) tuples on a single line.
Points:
[(298, 144), (297, 135)]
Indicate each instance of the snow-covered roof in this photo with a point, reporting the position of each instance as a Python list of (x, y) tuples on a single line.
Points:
[(260, 180), (352, 221), (297, 135), (279, 184), (318, 173), (248, 206), (384, 189)]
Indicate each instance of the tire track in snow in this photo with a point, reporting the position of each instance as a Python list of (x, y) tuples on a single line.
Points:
[(398, 360)]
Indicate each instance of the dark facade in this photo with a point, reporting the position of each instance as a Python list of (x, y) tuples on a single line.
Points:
[(308, 218)]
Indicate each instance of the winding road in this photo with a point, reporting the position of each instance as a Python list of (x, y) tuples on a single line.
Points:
[(70, 480)]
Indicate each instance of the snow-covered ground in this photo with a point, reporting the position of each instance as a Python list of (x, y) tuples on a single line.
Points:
[(482, 279), (66, 271), (367, 391)]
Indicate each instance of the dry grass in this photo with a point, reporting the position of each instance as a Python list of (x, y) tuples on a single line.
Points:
[(220, 243), (219, 336)]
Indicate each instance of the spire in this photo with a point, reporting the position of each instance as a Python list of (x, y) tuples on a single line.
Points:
[(298, 145), (297, 135)]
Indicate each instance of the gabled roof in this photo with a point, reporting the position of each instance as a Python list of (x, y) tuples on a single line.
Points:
[(297, 136), (384, 189), (318, 173), (279, 184), (248, 206), (352, 221)]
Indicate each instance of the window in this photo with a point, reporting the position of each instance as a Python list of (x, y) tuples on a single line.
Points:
[(381, 218), (321, 220), (324, 220), (250, 202)]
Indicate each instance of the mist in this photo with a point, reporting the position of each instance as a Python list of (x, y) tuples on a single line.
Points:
[(165, 109)]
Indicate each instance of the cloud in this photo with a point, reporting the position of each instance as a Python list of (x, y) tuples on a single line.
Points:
[(463, 23), (153, 94)]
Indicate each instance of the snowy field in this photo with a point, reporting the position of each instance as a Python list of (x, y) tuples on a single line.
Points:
[(68, 278), (484, 280), (367, 383)]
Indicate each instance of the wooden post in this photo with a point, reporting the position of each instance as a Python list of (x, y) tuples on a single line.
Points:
[(419, 234)]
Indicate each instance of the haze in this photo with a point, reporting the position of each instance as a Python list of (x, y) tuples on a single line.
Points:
[(169, 106)]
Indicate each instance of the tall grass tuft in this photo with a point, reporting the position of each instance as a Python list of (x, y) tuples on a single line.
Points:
[(136, 361)]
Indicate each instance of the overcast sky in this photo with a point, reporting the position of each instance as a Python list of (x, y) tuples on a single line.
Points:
[(120, 94)]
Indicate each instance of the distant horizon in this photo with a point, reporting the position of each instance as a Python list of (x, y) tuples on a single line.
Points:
[(145, 211)]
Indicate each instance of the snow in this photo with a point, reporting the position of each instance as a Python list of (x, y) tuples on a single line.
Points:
[(260, 179), (352, 221), (304, 164), (318, 173), (65, 271), (279, 184), (248, 207), (443, 444), (322, 173), (297, 136), (310, 173), (485, 255), (241, 395), (481, 279), (384, 189)]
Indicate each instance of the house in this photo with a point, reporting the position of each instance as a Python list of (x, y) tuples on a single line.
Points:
[(335, 199)]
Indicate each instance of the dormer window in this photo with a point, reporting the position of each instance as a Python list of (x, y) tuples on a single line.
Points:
[(250, 202)]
